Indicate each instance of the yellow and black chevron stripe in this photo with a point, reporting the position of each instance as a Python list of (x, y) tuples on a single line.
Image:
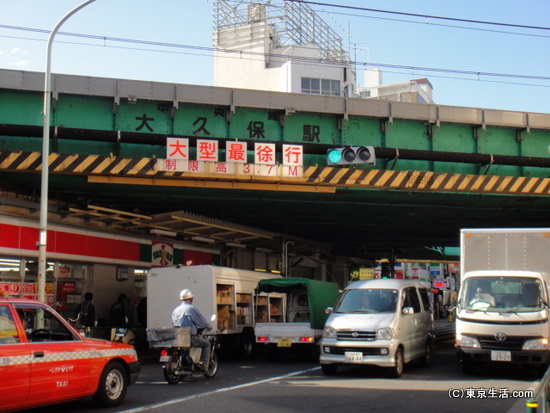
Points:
[(77, 164), (428, 181), (424, 181)]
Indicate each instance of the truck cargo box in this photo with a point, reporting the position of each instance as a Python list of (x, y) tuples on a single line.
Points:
[(226, 292)]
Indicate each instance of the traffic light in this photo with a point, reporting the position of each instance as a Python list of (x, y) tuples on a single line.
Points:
[(350, 155)]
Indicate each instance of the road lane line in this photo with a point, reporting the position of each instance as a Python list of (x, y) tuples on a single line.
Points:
[(196, 396)]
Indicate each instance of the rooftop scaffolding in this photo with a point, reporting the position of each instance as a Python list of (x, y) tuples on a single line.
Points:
[(293, 22)]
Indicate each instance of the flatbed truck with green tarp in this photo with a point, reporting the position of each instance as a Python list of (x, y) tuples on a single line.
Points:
[(290, 312)]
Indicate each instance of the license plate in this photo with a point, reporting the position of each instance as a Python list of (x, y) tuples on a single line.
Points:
[(164, 359), (501, 356), (284, 342), (353, 356)]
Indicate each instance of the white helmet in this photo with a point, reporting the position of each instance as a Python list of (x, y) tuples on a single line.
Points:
[(186, 294)]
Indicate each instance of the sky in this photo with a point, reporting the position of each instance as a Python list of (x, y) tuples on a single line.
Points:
[(492, 66)]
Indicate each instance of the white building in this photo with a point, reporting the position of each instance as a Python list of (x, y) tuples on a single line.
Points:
[(416, 90), (287, 47), (280, 47)]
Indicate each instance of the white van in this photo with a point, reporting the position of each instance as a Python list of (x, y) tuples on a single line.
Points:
[(380, 322)]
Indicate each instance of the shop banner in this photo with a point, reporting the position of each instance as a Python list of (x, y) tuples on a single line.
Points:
[(26, 290)]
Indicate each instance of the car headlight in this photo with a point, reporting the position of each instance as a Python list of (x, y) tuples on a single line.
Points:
[(537, 344), (329, 332), (467, 341), (385, 334)]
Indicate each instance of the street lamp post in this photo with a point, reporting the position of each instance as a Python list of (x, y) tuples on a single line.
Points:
[(42, 242)]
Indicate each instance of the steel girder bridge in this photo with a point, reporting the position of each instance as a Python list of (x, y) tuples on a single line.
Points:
[(438, 168)]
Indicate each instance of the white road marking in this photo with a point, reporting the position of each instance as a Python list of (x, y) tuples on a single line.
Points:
[(196, 396)]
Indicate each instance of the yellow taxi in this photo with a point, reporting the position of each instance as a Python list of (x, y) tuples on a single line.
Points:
[(44, 360)]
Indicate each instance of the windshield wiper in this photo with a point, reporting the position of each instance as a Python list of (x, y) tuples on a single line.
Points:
[(484, 310)]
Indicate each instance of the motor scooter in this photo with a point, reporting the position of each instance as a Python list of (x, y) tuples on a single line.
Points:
[(183, 359)]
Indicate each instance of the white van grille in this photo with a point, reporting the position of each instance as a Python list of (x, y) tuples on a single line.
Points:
[(356, 335)]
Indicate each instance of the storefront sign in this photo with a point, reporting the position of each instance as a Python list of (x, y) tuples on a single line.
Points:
[(366, 273), (122, 273), (65, 287), (163, 254), (65, 272), (26, 290)]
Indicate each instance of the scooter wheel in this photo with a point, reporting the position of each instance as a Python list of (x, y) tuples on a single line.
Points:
[(212, 366), (169, 370)]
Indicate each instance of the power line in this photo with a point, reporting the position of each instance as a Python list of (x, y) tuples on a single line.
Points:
[(456, 71), (471, 80), (478, 29), (107, 38), (240, 54), (425, 16)]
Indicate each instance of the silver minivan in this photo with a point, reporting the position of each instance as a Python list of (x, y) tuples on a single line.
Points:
[(382, 322)]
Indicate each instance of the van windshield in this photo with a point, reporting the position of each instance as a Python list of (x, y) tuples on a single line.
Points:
[(502, 294), (367, 301)]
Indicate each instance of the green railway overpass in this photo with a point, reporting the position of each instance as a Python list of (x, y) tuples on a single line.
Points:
[(438, 168)]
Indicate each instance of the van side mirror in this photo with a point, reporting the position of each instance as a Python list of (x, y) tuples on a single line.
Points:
[(328, 310), (407, 311)]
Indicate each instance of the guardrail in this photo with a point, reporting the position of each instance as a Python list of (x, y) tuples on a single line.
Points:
[(540, 397)]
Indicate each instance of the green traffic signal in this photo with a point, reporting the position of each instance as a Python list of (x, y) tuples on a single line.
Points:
[(334, 156), (351, 155)]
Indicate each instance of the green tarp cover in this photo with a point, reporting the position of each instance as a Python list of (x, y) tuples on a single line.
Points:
[(321, 294)]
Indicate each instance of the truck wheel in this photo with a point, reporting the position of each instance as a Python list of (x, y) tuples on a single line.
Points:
[(397, 370), (212, 366), (467, 367), (426, 360), (169, 371), (329, 369), (247, 341), (112, 385)]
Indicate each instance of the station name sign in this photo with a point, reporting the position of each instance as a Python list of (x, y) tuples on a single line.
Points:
[(207, 158)]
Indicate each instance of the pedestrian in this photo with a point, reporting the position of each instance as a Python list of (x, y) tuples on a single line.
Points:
[(142, 311), (84, 314), (117, 314), (431, 298)]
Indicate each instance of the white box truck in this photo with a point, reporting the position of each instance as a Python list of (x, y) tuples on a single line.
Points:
[(502, 315), (226, 292)]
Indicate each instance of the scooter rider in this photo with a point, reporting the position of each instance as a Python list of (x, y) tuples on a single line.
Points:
[(187, 315)]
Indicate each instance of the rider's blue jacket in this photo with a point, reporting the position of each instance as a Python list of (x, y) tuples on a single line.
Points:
[(186, 315)]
